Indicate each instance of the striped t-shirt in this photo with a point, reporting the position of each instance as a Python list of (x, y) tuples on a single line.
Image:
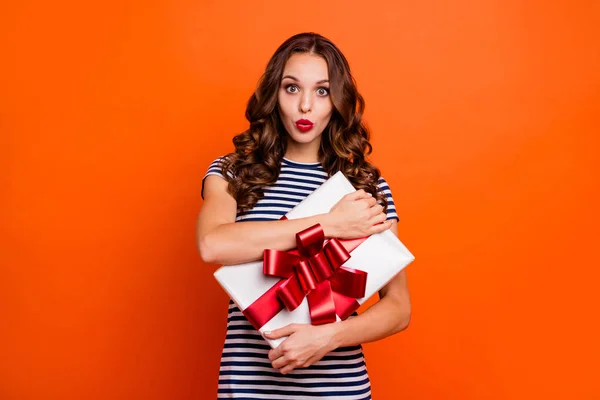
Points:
[(246, 372)]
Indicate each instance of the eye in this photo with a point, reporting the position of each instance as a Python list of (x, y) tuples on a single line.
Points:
[(323, 91), (289, 88)]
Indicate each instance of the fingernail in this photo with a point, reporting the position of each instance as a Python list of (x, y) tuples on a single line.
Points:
[(267, 332)]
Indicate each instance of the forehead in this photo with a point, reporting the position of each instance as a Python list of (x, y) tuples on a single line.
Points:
[(306, 67)]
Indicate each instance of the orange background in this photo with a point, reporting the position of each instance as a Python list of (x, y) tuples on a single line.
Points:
[(484, 121)]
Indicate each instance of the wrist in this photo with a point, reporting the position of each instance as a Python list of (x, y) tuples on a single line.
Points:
[(327, 223), (330, 336), (336, 334)]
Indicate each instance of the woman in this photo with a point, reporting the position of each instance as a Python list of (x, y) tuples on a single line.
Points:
[(305, 125)]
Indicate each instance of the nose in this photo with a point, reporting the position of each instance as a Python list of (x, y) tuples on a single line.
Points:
[(306, 102)]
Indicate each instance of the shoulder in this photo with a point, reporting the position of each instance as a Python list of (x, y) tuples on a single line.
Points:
[(382, 184), (384, 187), (216, 164), (216, 167)]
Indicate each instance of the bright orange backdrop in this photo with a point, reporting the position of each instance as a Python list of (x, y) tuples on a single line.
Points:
[(485, 122)]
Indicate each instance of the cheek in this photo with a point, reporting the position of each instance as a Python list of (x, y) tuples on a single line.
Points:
[(283, 105), (327, 113), (327, 110)]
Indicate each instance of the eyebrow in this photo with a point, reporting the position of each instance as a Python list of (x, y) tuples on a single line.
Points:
[(296, 79)]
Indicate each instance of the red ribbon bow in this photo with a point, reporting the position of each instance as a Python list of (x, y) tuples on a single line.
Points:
[(315, 271)]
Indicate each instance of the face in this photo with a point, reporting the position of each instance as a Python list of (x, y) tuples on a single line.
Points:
[(305, 106)]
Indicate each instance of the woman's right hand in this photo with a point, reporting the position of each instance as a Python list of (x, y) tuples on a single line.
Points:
[(356, 215)]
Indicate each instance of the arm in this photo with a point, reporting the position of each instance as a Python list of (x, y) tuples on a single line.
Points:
[(307, 344), (388, 316), (222, 241)]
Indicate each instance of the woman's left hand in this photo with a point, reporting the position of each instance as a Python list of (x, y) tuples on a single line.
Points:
[(305, 345)]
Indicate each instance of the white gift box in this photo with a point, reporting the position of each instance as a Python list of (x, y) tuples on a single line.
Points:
[(381, 255)]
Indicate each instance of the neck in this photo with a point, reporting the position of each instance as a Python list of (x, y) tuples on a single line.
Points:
[(301, 158), (303, 153)]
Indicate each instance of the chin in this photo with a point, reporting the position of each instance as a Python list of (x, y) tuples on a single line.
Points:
[(303, 138)]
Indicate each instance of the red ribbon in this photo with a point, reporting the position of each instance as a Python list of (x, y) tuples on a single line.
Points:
[(314, 270)]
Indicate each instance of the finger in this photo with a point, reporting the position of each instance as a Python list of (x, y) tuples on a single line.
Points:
[(274, 354), (367, 202), (278, 351), (382, 227), (287, 369), (281, 332), (377, 218), (371, 201), (375, 210), (359, 194), (281, 362)]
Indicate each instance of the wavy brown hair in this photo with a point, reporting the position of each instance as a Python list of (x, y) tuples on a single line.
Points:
[(259, 150)]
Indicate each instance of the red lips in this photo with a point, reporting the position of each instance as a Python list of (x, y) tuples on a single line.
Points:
[(304, 125)]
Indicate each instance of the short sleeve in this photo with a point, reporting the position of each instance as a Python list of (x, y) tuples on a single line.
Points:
[(391, 207), (213, 169)]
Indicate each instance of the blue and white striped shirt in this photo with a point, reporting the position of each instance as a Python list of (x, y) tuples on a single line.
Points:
[(246, 372)]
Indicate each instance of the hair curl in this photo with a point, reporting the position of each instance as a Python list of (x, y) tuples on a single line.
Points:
[(259, 150)]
